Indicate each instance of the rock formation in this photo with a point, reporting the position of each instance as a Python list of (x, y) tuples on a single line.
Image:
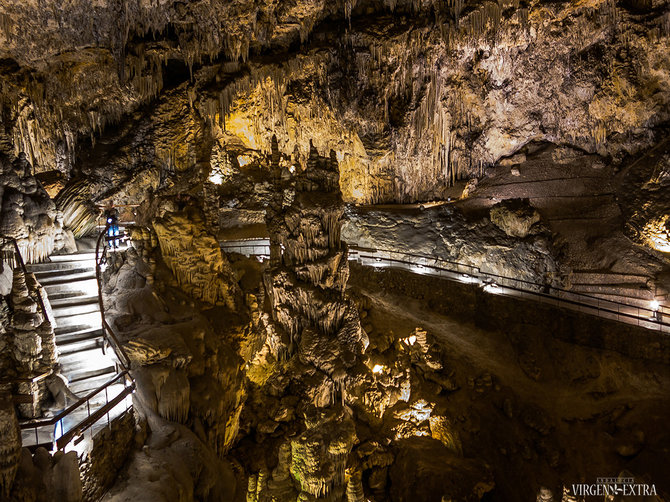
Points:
[(195, 259), (28, 342), (404, 104), (514, 218), (46, 477), (27, 214), (10, 441), (315, 322)]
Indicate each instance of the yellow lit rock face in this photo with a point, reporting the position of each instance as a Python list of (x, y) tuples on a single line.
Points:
[(196, 260), (657, 234), (407, 119), (268, 110), (409, 108)]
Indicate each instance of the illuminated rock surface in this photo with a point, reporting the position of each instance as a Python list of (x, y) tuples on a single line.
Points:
[(518, 139)]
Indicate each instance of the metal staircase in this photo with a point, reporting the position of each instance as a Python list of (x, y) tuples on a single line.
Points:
[(70, 283), (98, 375)]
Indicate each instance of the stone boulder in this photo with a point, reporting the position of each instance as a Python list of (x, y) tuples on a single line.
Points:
[(515, 217)]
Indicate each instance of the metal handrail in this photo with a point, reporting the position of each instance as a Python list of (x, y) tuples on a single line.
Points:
[(19, 259), (522, 286), (501, 277), (62, 441), (41, 422), (600, 304), (95, 416), (107, 330), (91, 419)]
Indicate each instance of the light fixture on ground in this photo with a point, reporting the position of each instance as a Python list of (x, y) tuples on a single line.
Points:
[(492, 287)]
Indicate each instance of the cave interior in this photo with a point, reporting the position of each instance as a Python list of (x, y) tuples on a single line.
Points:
[(346, 250)]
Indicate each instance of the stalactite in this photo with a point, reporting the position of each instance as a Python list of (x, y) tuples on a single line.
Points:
[(599, 135), (456, 7)]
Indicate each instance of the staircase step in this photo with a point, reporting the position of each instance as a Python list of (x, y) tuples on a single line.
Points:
[(74, 328), (91, 359), (66, 278), (79, 346), (49, 274), (72, 310), (78, 335), (54, 295), (73, 300), (84, 387), (81, 341), (85, 375), (62, 266), (58, 258), (78, 321), (87, 286)]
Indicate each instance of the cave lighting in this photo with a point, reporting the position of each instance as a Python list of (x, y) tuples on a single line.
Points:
[(378, 263), (468, 279), (216, 178), (657, 233), (655, 305), (244, 160), (410, 340), (378, 368), (419, 269), (492, 288)]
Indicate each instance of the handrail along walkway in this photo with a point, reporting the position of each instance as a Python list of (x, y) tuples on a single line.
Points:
[(430, 265), (107, 331)]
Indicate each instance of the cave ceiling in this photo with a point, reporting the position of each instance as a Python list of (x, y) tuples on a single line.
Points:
[(413, 96)]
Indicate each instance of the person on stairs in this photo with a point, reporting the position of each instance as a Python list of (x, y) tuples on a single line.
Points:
[(112, 219), (57, 384)]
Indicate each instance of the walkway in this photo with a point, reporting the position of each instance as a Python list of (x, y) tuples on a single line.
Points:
[(645, 317)]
